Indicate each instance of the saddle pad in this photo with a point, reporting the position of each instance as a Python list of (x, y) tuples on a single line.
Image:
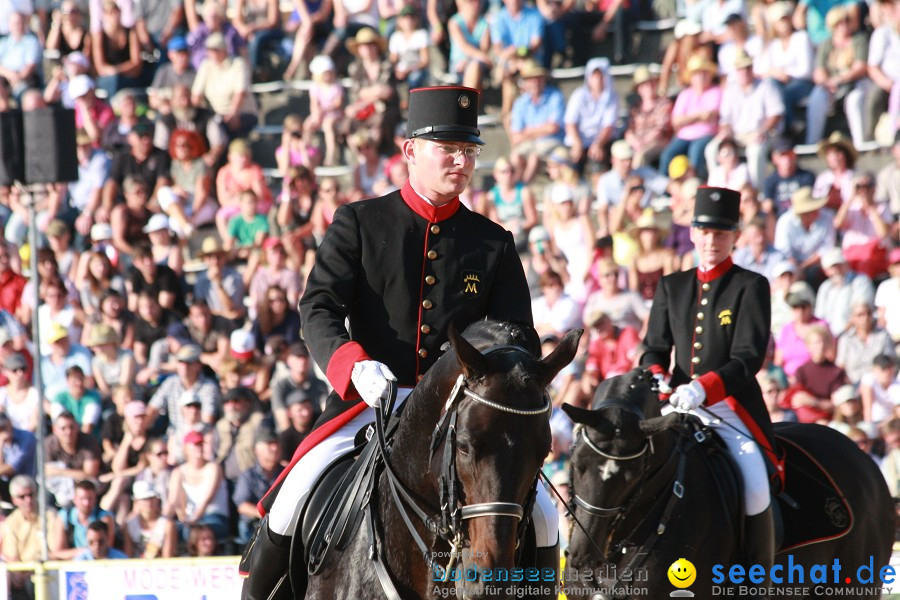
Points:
[(822, 513)]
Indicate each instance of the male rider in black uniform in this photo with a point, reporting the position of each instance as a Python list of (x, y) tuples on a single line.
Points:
[(400, 269)]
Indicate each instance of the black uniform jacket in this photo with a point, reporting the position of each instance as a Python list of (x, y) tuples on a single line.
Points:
[(718, 322), (401, 271)]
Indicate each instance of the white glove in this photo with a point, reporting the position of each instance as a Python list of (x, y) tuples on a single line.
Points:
[(688, 396), (662, 386), (371, 378)]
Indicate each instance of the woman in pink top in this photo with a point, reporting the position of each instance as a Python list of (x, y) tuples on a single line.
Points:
[(695, 117)]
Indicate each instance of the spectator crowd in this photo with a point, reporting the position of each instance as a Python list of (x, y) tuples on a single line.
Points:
[(176, 384)]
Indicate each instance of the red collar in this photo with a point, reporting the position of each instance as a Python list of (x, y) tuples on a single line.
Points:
[(716, 272), (427, 211)]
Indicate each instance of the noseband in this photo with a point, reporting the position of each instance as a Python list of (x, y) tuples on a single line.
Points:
[(448, 526)]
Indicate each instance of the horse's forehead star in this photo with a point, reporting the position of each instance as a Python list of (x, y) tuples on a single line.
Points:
[(608, 469)]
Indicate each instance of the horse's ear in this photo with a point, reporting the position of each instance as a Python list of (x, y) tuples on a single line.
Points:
[(561, 356), (589, 418), (655, 425), (470, 359)]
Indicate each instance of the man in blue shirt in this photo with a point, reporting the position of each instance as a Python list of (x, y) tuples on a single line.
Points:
[(98, 544), (17, 452), (517, 33), (537, 121), (253, 483)]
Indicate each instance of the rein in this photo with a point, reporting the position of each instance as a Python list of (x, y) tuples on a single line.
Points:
[(448, 525)]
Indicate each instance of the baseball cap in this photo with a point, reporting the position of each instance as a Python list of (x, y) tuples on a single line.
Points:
[(157, 222), (101, 232), (15, 361), (832, 257), (177, 44), (142, 490), (193, 437), (265, 435), (80, 85), (782, 268), (561, 193), (273, 242), (178, 331), (242, 344), (135, 408), (799, 294), (189, 353), (297, 396), (188, 398), (216, 41), (843, 394), (57, 333)]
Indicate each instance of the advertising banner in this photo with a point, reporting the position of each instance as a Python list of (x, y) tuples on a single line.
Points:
[(125, 580)]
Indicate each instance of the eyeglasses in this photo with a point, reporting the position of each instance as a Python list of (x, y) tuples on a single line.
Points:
[(17, 370), (470, 152), (862, 185)]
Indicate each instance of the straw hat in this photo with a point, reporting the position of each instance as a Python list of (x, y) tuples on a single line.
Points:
[(642, 74), (648, 220), (778, 11), (211, 245), (366, 35), (840, 141), (742, 60), (701, 63), (803, 202), (102, 334), (532, 68)]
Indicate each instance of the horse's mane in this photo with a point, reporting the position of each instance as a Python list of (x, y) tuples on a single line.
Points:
[(489, 332)]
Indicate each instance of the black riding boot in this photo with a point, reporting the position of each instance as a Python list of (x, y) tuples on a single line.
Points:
[(760, 540), (547, 558), (266, 560)]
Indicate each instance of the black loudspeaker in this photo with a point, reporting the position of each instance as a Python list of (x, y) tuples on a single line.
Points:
[(12, 150), (50, 149)]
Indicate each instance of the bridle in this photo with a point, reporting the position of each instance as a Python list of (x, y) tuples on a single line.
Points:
[(447, 525), (579, 432)]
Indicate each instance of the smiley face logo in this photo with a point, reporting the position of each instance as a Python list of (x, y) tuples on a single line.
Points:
[(682, 573)]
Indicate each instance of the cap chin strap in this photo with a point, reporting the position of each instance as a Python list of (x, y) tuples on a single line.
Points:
[(445, 129)]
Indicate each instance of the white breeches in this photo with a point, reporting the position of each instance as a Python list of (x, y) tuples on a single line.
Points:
[(296, 486), (746, 452)]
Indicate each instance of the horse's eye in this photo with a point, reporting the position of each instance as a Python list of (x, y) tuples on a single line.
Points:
[(463, 448)]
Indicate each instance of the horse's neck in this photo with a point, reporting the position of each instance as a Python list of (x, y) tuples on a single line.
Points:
[(411, 444)]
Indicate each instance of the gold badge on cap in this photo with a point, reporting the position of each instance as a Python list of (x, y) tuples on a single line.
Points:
[(464, 101)]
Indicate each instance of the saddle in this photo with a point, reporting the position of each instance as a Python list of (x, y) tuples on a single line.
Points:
[(809, 508), (812, 507), (334, 507)]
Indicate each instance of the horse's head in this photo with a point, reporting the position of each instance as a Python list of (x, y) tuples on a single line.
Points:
[(613, 451), (491, 439)]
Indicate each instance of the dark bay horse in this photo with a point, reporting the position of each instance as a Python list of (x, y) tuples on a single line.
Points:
[(486, 399), (626, 460)]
